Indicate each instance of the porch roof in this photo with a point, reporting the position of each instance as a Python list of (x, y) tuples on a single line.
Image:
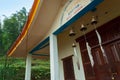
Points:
[(37, 28), (25, 28)]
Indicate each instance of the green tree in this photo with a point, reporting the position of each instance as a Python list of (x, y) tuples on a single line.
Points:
[(9, 31), (12, 27), (21, 18), (1, 44), (11, 68)]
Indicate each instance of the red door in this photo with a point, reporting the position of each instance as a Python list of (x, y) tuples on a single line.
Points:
[(105, 68), (68, 68), (113, 51)]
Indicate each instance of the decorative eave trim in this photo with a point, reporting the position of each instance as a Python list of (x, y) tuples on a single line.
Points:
[(26, 27), (91, 6), (41, 45)]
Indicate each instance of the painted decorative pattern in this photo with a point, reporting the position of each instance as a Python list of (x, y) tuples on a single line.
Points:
[(71, 8)]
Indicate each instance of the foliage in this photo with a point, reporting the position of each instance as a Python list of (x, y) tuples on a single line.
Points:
[(12, 27), (14, 68), (1, 44), (41, 71)]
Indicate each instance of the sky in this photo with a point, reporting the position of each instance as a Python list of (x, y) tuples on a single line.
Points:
[(8, 7)]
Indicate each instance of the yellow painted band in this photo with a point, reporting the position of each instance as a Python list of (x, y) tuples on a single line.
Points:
[(26, 27)]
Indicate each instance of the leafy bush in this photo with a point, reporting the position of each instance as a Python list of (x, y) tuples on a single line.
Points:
[(15, 70)]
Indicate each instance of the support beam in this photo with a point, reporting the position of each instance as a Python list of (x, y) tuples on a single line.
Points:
[(54, 67), (28, 67)]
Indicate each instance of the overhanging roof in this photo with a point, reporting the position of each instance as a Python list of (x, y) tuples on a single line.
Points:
[(40, 20), (36, 28), (25, 29)]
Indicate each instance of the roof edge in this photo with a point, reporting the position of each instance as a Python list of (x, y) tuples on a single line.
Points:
[(25, 28)]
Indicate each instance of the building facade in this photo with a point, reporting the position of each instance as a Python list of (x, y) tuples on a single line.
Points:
[(81, 38)]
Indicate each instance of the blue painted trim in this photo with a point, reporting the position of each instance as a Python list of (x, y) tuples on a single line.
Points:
[(41, 54), (40, 45), (45, 45), (91, 6), (66, 5)]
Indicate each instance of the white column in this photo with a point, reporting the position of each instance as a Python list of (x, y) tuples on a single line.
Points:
[(54, 64), (28, 67)]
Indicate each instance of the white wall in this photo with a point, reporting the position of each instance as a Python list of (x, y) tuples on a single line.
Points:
[(65, 42), (65, 50), (112, 11), (64, 10)]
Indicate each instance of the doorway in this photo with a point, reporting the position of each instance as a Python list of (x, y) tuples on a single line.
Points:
[(68, 68), (105, 68)]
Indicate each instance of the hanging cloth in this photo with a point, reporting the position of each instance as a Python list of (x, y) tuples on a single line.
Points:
[(76, 56), (83, 29), (101, 47), (90, 54), (94, 22)]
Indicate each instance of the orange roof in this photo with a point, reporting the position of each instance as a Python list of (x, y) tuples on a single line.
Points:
[(25, 29)]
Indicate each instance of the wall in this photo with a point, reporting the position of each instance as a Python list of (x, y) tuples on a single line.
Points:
[(106, 11), (67, 10), (65, 50)]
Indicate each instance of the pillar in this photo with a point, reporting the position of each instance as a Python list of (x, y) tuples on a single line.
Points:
[(54, 64), (28, 67)]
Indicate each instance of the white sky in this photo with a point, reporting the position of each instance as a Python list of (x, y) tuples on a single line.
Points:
[(8, 7)]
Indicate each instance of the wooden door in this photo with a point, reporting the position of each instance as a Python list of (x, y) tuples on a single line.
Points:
[(105, 67), (68, 68), (113, 53)]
